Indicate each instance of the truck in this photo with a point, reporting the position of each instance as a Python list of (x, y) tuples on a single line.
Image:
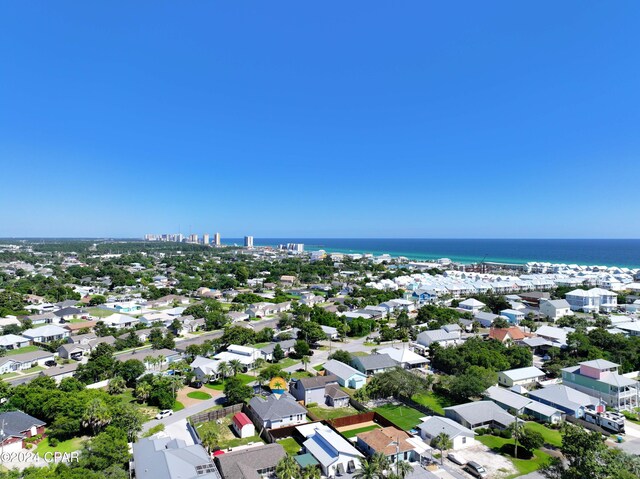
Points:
[(607, 420)]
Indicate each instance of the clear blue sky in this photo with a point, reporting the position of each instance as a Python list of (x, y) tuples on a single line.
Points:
[(320, 119)]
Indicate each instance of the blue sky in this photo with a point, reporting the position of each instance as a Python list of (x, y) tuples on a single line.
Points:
[(320, 119)]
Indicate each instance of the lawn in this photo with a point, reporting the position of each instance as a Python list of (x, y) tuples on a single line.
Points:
[(177, 406), (34, 369), (199, 395), (433, 401), (26, 349), (551, 436), (8, 375), (259, 345), (99, 312), (219, 385), (354, 432), (319, 367), (524, 466), (287, 362), (301, 374), (69, 445), (404, 417), (331, 413), (224, 433), (290, 445)]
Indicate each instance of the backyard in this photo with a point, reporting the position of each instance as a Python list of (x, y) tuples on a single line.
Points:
[(433, 401), (67, 446), (219, 385), (354, 432), (290, 445), (402, 416), (225, 436), (524, 466), (331, 412)]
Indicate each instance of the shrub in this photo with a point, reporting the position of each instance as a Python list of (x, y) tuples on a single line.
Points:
[(53, 442), (506, 433), (312, 404)]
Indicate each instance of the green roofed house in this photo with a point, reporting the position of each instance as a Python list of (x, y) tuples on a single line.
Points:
[(600, 378)]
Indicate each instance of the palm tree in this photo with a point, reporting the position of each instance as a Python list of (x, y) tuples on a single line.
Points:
[(236, 366), (259, 363), (311, 472), (305, 361), (117, 385), (381, 462), (96, 415), (209, 435), (442, 442), (223, 369), (368, 470), (403, 468), (142, 391), (287, 468), (149, 361)]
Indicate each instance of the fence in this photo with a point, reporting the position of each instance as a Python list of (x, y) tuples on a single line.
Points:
[(215, 415), (420, 407), (587, 425), (361, 419)]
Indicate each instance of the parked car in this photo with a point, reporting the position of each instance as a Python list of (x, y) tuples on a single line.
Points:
[(457, 459), (197, 384), (475, 469), (50, 363), (164, 413)]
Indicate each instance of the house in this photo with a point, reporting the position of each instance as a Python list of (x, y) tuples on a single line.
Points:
[(251, 463), (485, 319), (60, 371), (347, 376), (513, 333), (13, 341), (120, 321), (570, 401), (557, 336), (600, 378), (45, 318), (514, 316), (534, 297), (19, 362), (127, 307), (460, 436), (374, 363), (471, 305), (16, 427), (477, 414), (402, 305), (205, 369), (277, 410), (440, 336), (166, 458), (46, 334), (67, 314), (554, 309), (287, 346), (389, 441), (73, 351), (82, 338), (319, 390), (163, 356), (335, 455), (592, 301), (155, 317), (243, 426), (246, 355), (520, 376), (405, 358), (168, 300), (332, 333), (288, 280), (236, 316), (518, 405)]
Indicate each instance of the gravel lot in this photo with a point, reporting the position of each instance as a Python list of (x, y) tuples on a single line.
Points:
[(497, 466)]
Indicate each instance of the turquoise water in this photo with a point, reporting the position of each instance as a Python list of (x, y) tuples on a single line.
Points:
[(607, 252)]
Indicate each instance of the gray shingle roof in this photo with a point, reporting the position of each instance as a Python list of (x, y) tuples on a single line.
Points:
[(482, 412), (17, 422), (273, 407), (318, 382), (340, 369), (167, 458), (375, 361), (436, 424), (244, 464)]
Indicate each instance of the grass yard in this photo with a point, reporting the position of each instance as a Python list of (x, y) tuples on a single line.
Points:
[(524, 466), (433, 401), (199, 395), (354, 432), (177, 406), (26, 349), (290, 445), (330, 412), (8, 375), (219, 385), (359, 353), (287, 362), (259, 345), (34, 369), (301, 374), (99, 312), (69, 445), (551, 436), (224, 433), (402, 416), (319, 367)]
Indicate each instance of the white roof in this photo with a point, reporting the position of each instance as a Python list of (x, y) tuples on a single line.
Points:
[(118, 318), (474, 303), (11, 339), (403, 356), (48, 330), (523, 373)]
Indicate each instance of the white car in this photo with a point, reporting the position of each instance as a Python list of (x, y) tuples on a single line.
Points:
[(164, 413), (457, 459)]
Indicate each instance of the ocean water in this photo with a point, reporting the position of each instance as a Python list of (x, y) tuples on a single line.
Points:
[(606, 252)]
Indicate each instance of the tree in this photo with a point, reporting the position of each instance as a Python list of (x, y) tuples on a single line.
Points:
[(223, 369), (143, 390), (530, 439), (342, 356), (106, 449), (368, 470), (287, 468), (442, 442), (210, 435), (472, 383), (128, 418), (96, 415), (305, 361), (235, 366), (236, 391), (302, 348), (117, 385), (130, 370), (403, 468), (97, 299), (278, 353)]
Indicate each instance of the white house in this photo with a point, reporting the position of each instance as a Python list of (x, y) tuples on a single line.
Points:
[(246, 355), (555, 309), (460, 436), (13, 341), (592, 300), (440, 336), (520, 376), (333, 452), (45, 334), (471, 305), (120, 321)]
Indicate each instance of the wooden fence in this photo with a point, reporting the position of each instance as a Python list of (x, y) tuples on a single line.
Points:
[(215, 415)]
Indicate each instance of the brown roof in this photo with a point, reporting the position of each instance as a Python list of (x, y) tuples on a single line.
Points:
[(380, 440), (78, 326), (501, 334)]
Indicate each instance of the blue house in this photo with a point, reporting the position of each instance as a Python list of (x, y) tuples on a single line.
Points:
[(513, 315), (423, 295), (347, 376)]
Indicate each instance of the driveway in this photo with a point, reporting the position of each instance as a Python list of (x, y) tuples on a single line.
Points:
[(182, 415)]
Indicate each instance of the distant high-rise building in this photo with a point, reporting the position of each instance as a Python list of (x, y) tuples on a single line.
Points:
[(193, 238), (179, 237), (248, 241), (205, 238), (216, 239)]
